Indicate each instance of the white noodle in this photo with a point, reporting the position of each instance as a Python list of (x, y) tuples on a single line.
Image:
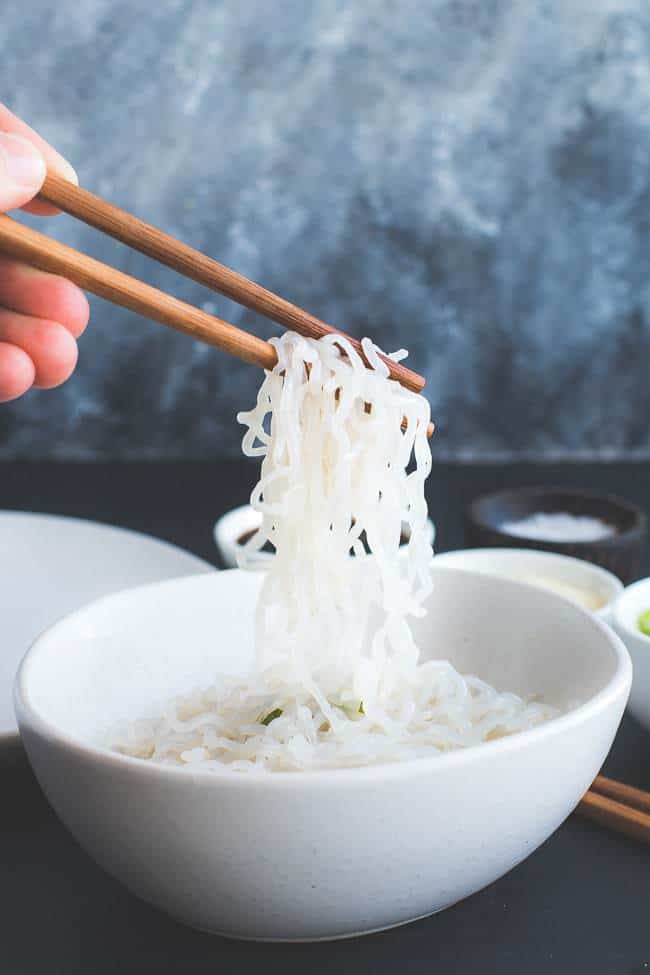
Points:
[(337, 680)]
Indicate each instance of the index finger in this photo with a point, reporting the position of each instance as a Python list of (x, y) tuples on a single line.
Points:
[(55, 162)]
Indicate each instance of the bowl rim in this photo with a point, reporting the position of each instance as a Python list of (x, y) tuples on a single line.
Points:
[(510, 550), (638, 527), (28, 715), (629, 632)]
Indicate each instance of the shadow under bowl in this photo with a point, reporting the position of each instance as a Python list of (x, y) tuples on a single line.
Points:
[(619, 552)]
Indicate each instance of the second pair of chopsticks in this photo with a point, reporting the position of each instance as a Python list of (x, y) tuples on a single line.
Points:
[(619, 807), (107, 282)]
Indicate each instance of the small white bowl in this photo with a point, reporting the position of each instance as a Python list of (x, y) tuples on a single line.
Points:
[(324, 854), (239, 521), (229, 529), (542, 569), (626, 611)]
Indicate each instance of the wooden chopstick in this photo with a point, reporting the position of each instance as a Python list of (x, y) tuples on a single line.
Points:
[(618, 806), (149, 240), (107, 282), (43, 252), (627, 794)]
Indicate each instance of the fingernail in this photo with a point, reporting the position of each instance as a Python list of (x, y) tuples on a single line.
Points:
[(23, 163)]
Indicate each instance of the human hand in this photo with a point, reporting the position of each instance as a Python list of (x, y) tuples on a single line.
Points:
[(41, 315)]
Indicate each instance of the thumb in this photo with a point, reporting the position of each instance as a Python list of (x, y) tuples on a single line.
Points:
[(22, 171)]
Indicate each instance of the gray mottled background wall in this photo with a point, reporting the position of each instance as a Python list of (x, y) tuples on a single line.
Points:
[(469, 178)]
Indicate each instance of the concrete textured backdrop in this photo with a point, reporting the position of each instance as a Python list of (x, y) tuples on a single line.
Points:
[(468, 178)]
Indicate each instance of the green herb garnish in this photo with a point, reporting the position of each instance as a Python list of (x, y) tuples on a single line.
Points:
[(361, 711), (643, 622), (271, 716)]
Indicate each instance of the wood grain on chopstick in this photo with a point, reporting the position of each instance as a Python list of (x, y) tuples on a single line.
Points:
[(149, 240), (627, 794), (616, 815), (107, 282), (619, 807)]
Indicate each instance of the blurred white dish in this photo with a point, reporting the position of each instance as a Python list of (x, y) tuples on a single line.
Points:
[(324, 854), (569, 577), (626, 611), (230, 528), (53, 565), (243, 521)]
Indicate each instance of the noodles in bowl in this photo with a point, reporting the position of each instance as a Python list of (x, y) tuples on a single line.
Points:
[(338, 680)]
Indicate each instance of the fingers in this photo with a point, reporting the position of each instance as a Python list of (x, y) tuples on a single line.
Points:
[(22, 171), (50, 346), (36, 293), (16, 372), (55, 162), (41, 314)]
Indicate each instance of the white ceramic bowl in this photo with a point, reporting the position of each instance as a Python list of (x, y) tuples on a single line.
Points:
[(627, 609), (306, 856), (230, 527), (541, 568)]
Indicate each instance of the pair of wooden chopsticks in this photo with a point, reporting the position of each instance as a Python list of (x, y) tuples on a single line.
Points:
[(40, 251), (620, 807)]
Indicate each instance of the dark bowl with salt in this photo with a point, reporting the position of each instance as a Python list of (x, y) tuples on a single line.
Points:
[(603, 529)]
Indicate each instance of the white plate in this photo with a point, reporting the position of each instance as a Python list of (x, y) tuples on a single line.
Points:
[(53, 565)]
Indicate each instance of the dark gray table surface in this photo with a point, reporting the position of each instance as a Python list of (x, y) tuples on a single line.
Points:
[(578, 904)]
